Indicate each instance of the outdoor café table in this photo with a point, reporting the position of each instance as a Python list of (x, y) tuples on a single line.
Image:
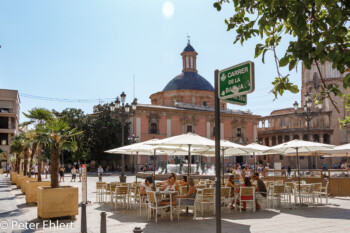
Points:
[(303, 188), (165, 194)]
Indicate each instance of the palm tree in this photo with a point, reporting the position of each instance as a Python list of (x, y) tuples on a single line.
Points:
[(16, 147), (33, 143), (38, 117), (58, 136)]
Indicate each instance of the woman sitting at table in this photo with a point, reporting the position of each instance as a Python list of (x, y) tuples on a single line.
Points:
[(190, 194), (231, 183), (247, 183), (170, 187), (183, 181), (147, 186)]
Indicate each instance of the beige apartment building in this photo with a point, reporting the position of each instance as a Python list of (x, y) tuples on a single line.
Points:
[(9, 119)]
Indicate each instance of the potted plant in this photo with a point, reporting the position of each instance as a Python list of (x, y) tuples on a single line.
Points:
[(58, 137)]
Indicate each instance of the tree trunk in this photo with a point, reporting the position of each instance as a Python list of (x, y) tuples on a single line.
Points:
[(18, 161), (39, 163), (54, 167), (25, 162), (31, 160)]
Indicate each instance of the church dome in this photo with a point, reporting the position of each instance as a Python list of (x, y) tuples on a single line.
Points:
[(189, 81)]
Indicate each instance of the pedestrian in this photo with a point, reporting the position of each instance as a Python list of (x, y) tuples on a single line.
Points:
[(73, 171), (80, 172), (35, 170), (61, 172), (46, 168), (100, 173), (8, 169), (289, 170)]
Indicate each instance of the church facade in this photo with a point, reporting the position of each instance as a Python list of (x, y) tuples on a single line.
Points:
[(186, 104)]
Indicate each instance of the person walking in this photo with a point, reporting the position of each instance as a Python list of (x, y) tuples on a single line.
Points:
[(46, 169), (100, 173), (8, 169), (73, 171), (35, 170), (61, 172), (289, 170)]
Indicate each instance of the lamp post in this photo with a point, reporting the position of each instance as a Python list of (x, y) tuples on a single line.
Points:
[(307, 115), (123, 113), (134, 139)]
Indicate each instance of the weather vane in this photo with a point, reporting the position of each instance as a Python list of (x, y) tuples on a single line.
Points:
[(188, 38)]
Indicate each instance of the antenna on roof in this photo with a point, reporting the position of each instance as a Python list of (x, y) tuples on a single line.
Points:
[(133, 85)]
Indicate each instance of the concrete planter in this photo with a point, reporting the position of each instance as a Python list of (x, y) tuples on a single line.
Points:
[(57, 202), (13, 177), (32, 190), (18, 181), (23, 182)]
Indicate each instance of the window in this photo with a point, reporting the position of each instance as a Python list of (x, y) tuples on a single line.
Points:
[(187, 63), (204, 103), (191, 62), (239, 132), (189, 129), (154, 128), (283, 122), (301, 157), (281, 157)]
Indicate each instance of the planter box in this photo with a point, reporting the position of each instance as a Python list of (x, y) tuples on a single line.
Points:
[(32, 190), (57, 202), (23, 182), (13, 177), (1, 171), (18, 181)]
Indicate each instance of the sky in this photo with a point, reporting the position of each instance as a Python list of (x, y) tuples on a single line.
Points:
[(75, 54)]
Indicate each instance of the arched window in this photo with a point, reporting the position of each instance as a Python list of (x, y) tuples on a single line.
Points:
[(154, 128), (187, 62), (280, 139), (295, 137), (305, 137), (326, 139), (191, 62), (316, 138), (266, 141), (189, 129), (286, 138), (273, 141)]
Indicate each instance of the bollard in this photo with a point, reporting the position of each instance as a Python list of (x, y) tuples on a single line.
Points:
[(83, 228), (103, 228), (137, 230)]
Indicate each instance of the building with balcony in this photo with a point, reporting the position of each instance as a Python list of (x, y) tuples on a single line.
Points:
[(9, 118), (283, 125)]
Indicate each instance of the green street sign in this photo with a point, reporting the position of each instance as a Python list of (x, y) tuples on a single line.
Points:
[(239, 100), (236, 80)]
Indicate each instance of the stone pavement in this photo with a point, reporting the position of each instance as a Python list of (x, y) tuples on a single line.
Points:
[(331, 218)]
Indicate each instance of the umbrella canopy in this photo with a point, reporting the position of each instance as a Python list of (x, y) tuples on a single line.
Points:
[(186, 142), (338, 151), (300, 146), (228, 149)]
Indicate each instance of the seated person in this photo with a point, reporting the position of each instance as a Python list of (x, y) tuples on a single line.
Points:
[(260, 187), (247, 183), (147, 186), (171, 186), (231, 183), (190, 194), (183, 181)]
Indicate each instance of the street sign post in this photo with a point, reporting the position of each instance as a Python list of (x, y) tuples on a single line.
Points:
[(236, 80), (238, 100)]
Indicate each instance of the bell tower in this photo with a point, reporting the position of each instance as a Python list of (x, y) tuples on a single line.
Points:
[(189, 58)]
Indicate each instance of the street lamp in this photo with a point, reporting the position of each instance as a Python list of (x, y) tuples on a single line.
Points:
[(134, 139), (307, 115), (123, 113)]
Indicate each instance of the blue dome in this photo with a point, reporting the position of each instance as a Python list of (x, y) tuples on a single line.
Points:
[(189, 48), (189, 81)]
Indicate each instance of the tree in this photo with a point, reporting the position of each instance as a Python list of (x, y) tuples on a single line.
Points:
[(38, 117), (319, 32), (102, 131), (16, 148), (58, 136), (75, 119)]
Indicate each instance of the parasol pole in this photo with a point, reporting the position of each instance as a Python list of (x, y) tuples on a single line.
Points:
[(223, 167), (298, 167), (137, 156), (154, 168), (254, 156)]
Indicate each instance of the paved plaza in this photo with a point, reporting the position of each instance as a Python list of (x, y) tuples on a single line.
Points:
[(14, 212)]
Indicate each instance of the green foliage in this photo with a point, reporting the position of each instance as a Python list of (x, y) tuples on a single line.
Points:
[(319, 30)]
